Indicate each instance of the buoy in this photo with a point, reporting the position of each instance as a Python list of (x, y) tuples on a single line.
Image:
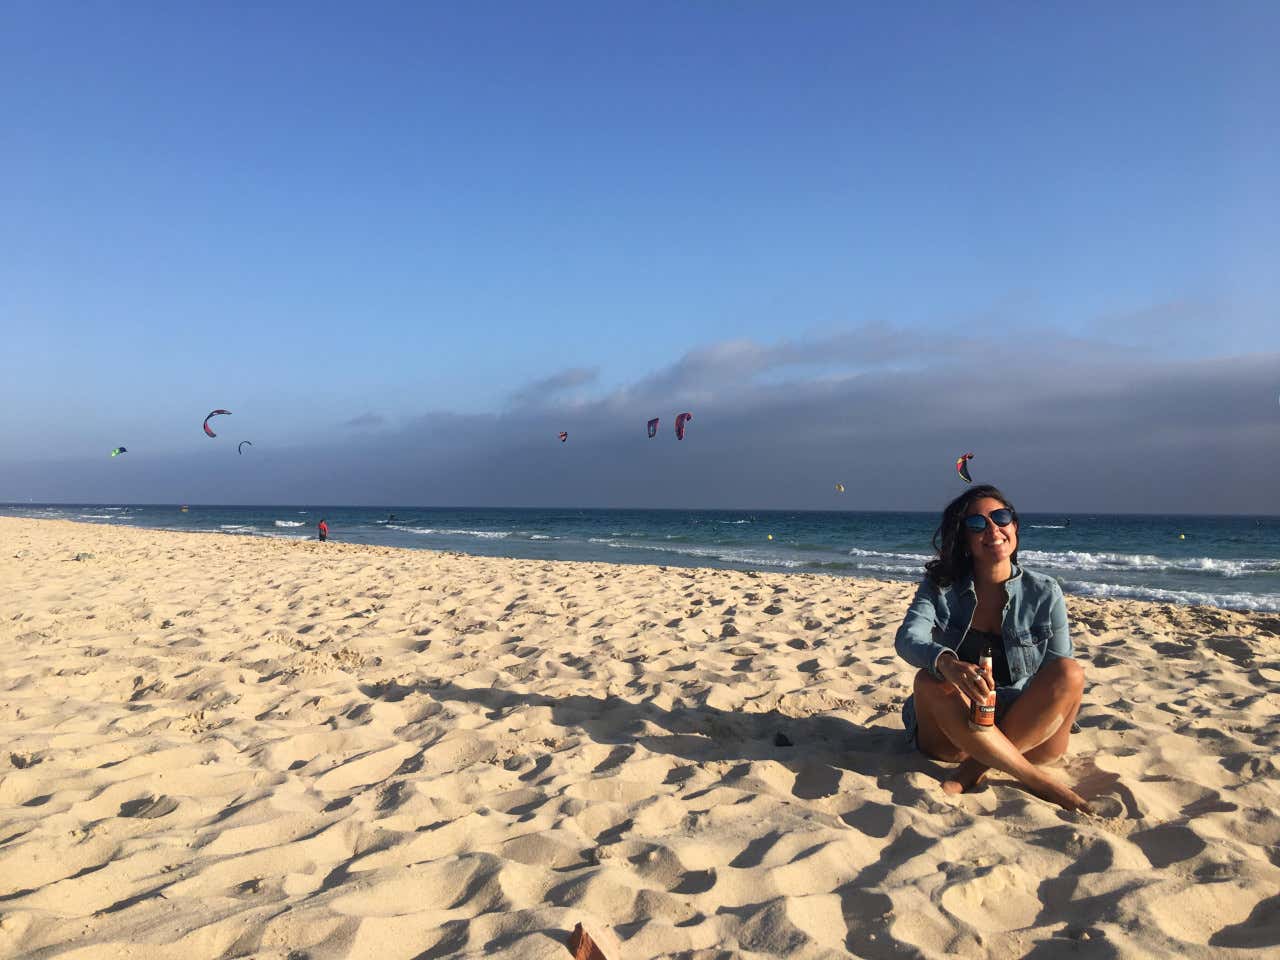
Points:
[(1182, 536), (771, 536)]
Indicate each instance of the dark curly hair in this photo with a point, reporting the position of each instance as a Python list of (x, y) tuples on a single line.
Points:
[(953, 562)]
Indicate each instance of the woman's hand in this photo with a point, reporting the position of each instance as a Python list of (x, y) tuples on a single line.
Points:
[(965, 677)]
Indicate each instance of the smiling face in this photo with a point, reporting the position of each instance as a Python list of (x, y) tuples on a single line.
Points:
[(995, 545)]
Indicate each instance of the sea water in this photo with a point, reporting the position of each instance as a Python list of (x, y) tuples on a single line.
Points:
[(1227, 561)]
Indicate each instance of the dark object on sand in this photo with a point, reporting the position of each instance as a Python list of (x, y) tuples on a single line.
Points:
[(582, 946), (782, 740)]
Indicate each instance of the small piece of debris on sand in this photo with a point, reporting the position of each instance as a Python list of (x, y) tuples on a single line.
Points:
[(582, 946)]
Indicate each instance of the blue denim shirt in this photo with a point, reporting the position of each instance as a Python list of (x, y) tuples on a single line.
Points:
[(1033, 625)]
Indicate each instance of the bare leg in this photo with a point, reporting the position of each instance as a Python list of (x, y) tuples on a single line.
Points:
[(1038, 723), (943, 718)]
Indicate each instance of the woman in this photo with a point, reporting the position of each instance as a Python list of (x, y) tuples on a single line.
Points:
[(975, 593)]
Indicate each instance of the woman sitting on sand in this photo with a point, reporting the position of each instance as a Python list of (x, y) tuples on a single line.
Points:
[(975, 593)]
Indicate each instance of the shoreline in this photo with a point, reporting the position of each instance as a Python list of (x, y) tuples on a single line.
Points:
[(1140, 606), (250, 746)]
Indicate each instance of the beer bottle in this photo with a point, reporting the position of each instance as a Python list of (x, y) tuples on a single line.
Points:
[(982, 713)]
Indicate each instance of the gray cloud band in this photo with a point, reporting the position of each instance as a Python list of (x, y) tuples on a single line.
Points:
[(1062, 424)]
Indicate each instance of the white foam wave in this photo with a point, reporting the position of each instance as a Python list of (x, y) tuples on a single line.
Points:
[(542, 536), (93, 516), (727, 555), (1081, 560), (1048, 526), (290, 523), (734, 523), (1262, 602), (479, 534), (897, 571), (237, 528), (883, 562)]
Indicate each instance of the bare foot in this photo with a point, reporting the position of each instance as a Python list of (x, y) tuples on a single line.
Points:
[(968, 776), (972, 774)]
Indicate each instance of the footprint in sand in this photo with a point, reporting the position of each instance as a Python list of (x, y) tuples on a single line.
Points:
[(148, 808), (995, 899), (1200, 912), (1168, 844)]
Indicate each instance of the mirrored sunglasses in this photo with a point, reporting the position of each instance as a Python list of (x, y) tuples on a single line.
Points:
[(977, 522)]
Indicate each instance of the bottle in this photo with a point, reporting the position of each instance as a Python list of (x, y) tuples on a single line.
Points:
[(982, 713)]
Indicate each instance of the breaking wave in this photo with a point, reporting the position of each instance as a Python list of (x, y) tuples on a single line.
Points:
[(479, 534), (1260, 602), (1081, 560)]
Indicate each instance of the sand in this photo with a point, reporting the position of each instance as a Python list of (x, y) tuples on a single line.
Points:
[(223, 746)]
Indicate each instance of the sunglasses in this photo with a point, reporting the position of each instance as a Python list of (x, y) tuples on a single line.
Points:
[(976, 522)]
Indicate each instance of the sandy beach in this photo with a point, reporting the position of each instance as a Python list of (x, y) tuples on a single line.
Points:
[(226, 746)]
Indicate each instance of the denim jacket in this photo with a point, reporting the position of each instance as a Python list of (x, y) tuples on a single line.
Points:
[(1033, 625)]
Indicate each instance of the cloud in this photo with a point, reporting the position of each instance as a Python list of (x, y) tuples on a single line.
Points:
[(366, 421), (550, 390), (1062, 423), (1191, 328)]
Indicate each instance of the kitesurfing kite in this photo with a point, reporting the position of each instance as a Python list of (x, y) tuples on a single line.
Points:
[(962, 467), (214, 413), (839, 488), (563, 436), (118, 450), (243, 444), (653, 428), (681, 420)]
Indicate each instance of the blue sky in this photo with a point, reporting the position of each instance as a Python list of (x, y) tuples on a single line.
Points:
[(399, 212)]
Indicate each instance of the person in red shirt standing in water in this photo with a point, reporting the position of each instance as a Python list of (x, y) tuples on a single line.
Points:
[(323, 527)]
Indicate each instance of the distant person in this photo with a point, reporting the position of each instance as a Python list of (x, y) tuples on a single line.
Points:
[(974, 594), (323, 528)]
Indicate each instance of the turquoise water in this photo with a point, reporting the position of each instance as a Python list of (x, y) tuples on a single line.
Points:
[(1231, 562)]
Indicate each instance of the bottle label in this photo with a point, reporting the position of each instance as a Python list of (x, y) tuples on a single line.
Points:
[(982, 713)]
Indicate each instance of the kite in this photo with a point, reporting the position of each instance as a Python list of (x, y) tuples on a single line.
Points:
[(681, 420), (212, 414), (118, 450), (839, 488), (243, 444), (653, 428), (563, 436), (962, 467)]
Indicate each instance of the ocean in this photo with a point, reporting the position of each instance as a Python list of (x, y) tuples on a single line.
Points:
[(1231, 562)]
